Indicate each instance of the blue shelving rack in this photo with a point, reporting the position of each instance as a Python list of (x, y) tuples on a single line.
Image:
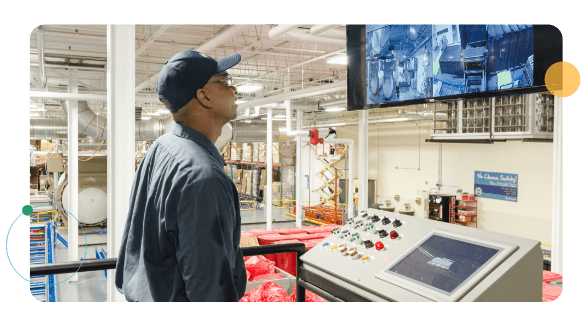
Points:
[(42, 248)]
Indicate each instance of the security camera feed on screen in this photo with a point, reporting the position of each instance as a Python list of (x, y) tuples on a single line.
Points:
[(443, 263), (408, 62)]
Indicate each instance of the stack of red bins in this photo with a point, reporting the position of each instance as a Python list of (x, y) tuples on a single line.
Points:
[(267, 239), (311, 236), (550, 292)]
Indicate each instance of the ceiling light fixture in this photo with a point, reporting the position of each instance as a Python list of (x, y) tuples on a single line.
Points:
[(334, 109), (145, 117), (338, 60), (246, 88), (38, 109), (241, 101), (247, 121), (279, 116), (34, 114)]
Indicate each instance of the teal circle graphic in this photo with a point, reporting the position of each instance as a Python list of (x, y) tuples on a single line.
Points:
[(27, 210), (45, 205)]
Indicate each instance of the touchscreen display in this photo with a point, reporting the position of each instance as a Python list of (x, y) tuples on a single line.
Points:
[(443, 263)]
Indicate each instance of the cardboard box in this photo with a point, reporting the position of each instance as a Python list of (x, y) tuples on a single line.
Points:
[(275, 176), (275, 153), (255, 151), (236, 151), (262, 178), (262, 152), (239, 187), (248, 241), (238, 176), (247, 152), (247, 182)]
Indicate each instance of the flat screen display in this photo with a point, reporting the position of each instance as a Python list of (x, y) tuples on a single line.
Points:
[(392, 65), (443, 263)]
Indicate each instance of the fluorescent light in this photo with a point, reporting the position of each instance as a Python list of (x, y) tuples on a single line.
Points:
[(145, 117), (274, 118), (246, 88), (279, 116), (334, 109), (38, 109), (338, 60), (34, 115), (247, 121), (152, 113), (241, 101), (162, 111)]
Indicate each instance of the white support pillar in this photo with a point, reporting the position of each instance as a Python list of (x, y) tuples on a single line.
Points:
[(363, 160), (268, 194), (299, 196), (557, 210), (120, 127), (72, 173)]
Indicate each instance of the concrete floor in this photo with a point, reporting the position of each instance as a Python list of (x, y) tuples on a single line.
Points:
[(91, 285)]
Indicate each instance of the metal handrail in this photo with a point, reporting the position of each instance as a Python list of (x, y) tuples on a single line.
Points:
[(110, 263)]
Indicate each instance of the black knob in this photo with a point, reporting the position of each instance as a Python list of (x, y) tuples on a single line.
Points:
[(385, 221), (368, 244), (397, 223), (375, 218), (382, 233)]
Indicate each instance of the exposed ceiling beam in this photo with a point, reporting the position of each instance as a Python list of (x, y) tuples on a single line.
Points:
[(155, 36)]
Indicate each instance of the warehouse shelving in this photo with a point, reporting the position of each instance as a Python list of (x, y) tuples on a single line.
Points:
[(469, 216), (42, 246)]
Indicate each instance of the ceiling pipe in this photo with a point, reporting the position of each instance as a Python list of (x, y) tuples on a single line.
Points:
[(318, 29), (89, 124), (289, 131), (155, 36), (205, 47), (305, 93), (300, 36), (41, 50), (280, 30), (87, 97)]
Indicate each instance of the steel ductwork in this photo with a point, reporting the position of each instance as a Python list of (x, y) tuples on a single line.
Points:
[(90, 125), (238, 131), (48, 129)]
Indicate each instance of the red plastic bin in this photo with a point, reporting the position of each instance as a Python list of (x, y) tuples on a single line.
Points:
[(288, 261), (549, 276), (267, 239), (290, 231)]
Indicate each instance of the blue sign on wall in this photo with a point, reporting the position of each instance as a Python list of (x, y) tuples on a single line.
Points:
[(500, 186)]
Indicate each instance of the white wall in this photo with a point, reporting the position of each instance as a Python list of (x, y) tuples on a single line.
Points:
[(394, 145)]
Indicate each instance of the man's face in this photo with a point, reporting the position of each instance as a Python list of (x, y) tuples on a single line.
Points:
[(223, 98)]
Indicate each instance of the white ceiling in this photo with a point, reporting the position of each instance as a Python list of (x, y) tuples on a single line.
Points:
[(280, 64)]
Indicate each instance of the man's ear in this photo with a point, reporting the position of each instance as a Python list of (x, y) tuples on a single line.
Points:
[(203, 98)]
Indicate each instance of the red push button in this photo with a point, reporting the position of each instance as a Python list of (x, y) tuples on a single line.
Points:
[(394, 235), (380, 246)]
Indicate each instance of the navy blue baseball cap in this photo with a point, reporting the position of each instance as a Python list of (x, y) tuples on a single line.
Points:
[(185, 73)]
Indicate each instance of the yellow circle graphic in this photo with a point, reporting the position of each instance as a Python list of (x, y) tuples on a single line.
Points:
[(562, 79)]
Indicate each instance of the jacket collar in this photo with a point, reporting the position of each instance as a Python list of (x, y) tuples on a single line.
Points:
[(195, 136)]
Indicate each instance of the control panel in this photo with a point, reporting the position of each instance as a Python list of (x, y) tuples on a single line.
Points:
[(386, 256)]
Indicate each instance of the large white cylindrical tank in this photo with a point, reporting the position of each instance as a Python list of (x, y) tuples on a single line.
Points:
[(92, 205)]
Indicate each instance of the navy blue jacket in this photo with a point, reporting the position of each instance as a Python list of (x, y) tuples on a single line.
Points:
[(182, 235)]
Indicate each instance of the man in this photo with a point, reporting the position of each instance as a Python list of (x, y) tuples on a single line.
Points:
[(47, 185), (333, 135), (182, 234)]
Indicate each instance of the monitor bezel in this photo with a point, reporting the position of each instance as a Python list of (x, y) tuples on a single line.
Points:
[(505, 250), (547, 39)]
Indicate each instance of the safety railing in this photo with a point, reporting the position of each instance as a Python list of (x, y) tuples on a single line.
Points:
[(110, 263)]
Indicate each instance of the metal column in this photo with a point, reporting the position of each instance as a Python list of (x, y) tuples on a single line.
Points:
[(268, 194), (557, 212), (72, 172), (121, 138), (299, 198), (363, 160)]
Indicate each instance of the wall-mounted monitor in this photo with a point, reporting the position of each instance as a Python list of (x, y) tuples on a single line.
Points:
[(395, 65)]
